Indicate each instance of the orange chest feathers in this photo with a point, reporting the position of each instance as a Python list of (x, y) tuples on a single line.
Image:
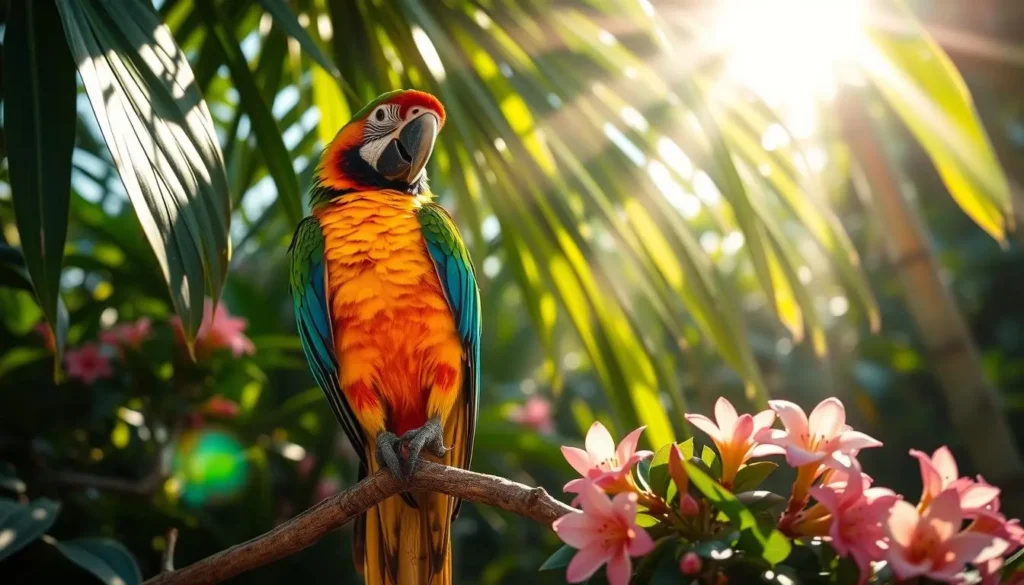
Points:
[(394, 332)]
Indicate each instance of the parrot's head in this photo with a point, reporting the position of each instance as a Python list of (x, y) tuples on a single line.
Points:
[(386, 145)]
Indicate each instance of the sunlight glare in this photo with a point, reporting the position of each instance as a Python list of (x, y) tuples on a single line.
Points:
[(789, 50)]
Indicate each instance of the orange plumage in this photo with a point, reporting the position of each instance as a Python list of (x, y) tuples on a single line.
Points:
[(381, 278)]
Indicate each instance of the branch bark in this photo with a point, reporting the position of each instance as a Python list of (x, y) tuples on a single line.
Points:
[(307, 528)]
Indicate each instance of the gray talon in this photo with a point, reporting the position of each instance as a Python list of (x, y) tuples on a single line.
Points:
[(430, 437), (388, 445)]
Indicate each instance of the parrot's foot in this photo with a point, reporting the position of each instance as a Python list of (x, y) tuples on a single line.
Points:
[(430, 437), (388, 445)]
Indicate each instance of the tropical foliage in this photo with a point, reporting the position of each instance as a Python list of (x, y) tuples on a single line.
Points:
[(661, 208)]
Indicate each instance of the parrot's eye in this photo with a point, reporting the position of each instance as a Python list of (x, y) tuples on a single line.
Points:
[(380, 115), (415, 111)]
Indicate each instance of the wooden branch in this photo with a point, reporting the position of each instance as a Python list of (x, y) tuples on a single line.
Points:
[(305, 529)]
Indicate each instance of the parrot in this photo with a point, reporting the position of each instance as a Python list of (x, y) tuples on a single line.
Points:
[(387, 308)]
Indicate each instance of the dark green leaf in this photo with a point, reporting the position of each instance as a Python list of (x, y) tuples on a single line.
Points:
[(760, 501), (286, 19), (162, 141), (9, 480), (559, 559), (106, 559), (751, 475), (718, 549), (21, 524), (268, 135), (770, 544), (1014, 564), (39, 120)]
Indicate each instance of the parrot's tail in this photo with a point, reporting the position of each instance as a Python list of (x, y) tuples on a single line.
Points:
[(406, 545)]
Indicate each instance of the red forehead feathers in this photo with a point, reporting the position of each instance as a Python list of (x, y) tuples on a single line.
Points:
[(412, 99)]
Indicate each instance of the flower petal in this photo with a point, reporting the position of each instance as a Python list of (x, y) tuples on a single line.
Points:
[(619, 568), (641, 544), (977, 496), (763, 420), (797, 456), (725, 415), (586, 563), (627, 446), (828, 418), (852, 441), (576, 530), (574, 486), (704, 423), (595, 503), (791, 415), (742, 431), (766, 450), (943, 515), (945, 465), (599, 442), (930, 479), (962, 549), (578, 458), (624, 506), (902, 524), (903, 567)]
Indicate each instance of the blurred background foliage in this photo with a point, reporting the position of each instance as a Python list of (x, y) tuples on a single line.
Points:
[(667, 202)]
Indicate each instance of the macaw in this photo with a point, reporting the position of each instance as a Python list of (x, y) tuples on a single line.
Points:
[(388, 311)]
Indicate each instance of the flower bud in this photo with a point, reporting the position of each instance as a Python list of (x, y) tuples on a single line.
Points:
[(688, 506), (677, 470), (690, 564)]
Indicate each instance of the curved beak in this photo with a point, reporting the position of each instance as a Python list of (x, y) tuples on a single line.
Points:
[(405, 157)]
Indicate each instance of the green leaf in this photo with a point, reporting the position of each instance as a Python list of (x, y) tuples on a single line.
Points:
[(1014, 564), (162, 140), (39, 122), (717, 549), (268, 136), (707, 455), (20, 356), (925, 89), (760, 500), (769, 544), (286, 19), (108, 560), (9, 479), (22, 524), (659, 476), (559, 559), (752, 474)]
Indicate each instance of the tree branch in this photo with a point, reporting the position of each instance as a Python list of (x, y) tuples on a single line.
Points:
[(305, 529)]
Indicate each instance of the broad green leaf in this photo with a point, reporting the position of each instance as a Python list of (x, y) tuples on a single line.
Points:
[(17, 357), (922, 85), (268, 136), (162, 140), (760, 500), (13, 274), (286, 19), (9, 480), (769, 544), (559, 559), (708, 456), (22, 524), (107, 560), (750, 476), (39, 123)]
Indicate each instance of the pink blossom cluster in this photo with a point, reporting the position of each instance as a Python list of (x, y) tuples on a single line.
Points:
[(956, 523), (92, 361)]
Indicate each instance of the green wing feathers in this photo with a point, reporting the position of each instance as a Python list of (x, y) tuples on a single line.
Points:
[(458, 279), (308, 282)]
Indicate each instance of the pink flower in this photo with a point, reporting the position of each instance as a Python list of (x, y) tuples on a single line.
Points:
[(535, 414), (991, 522), (219, 330), (87, 363), (128, 335), (940, 472), (858, 514), (932, 544), (606, 532), (734, 436), (817, 440), (608, 466), (690, 564)]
